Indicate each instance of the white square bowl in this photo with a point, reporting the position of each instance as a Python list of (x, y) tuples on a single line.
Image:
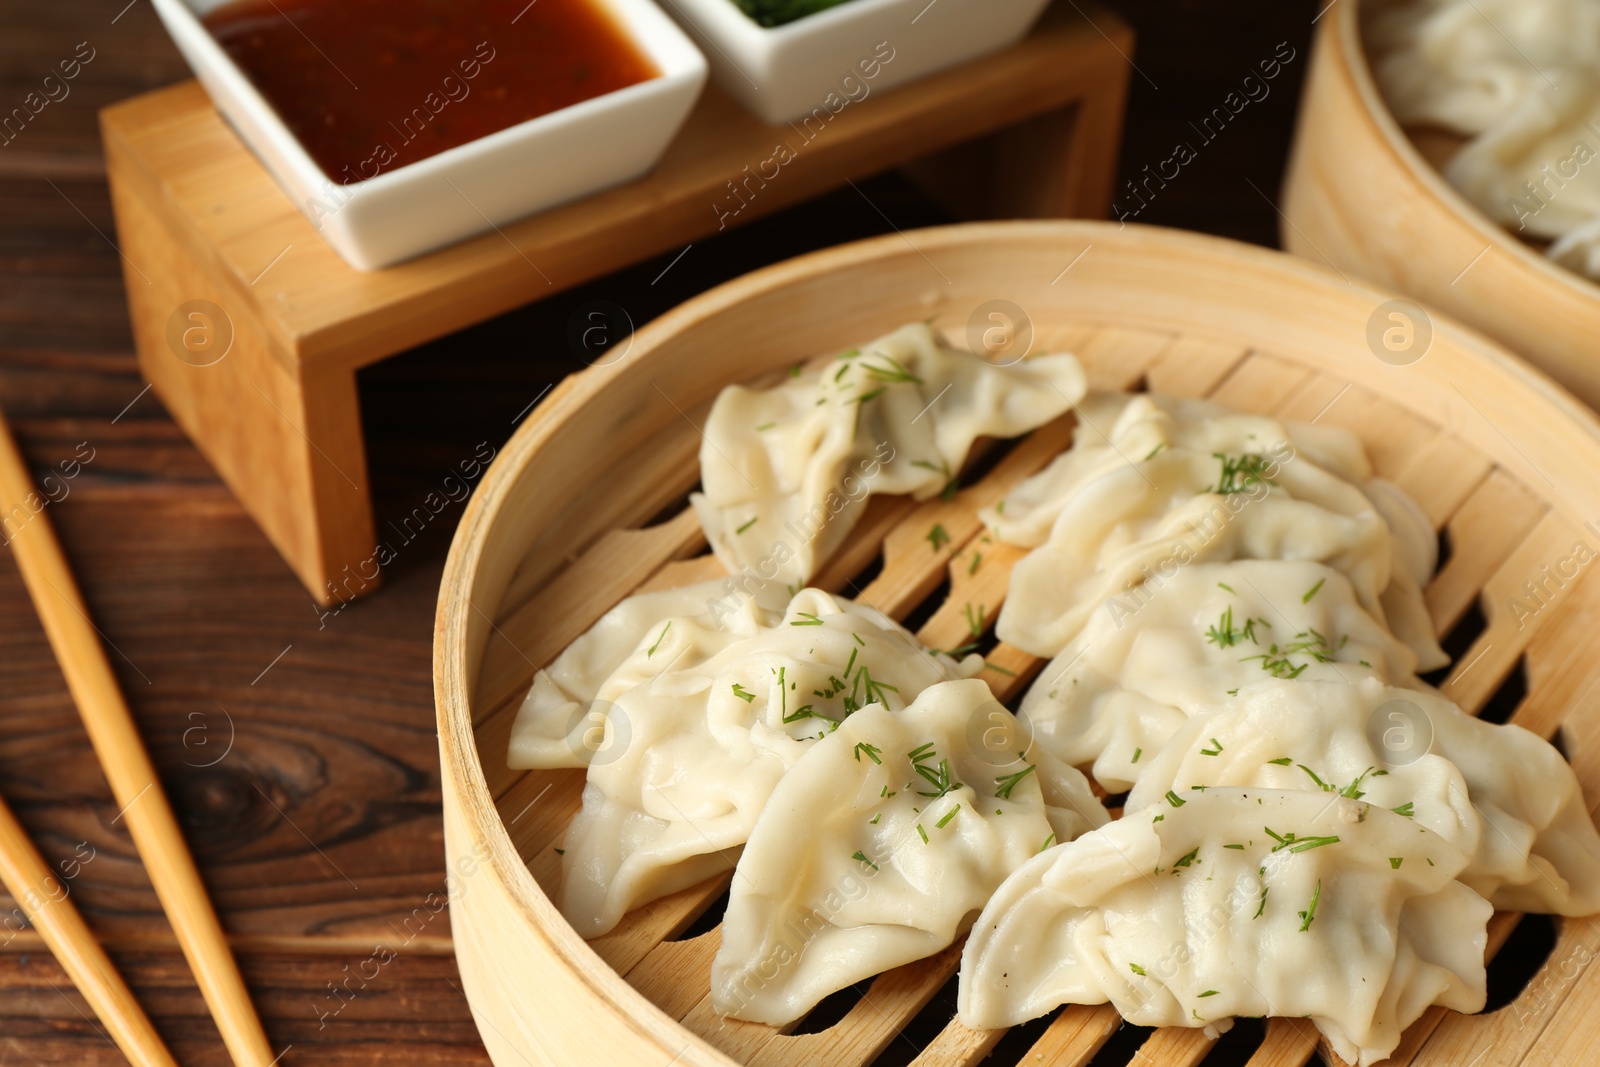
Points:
[(466, 190), (822, 61)]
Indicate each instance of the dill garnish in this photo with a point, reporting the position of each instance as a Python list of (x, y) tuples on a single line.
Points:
[(1240, 472), (660, 638), (1309, 916), (1004, 784)]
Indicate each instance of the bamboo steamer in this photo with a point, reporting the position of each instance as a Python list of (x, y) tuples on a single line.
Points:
[(1361, 197), (585, 505)]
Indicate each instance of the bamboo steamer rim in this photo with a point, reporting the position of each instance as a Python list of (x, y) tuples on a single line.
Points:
[(1550, 423), (1345, 33)]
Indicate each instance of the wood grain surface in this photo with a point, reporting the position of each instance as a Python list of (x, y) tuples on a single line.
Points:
[(318, 829)]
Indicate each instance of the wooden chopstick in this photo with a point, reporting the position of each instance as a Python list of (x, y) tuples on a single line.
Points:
[(43, 898), (123, 758)]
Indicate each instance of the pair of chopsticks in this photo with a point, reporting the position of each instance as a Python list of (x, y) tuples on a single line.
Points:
[(133, 781)]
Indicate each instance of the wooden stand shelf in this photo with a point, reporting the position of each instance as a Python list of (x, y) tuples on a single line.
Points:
[(199, 220)]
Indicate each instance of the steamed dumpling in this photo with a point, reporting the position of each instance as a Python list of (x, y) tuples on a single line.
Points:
[(698, 729), (1237, 902), (1466, 64), (1184, 642), (1501, 794), (787, 470), (1537, 170), (879, 847), (562, 719), (1172, 482)]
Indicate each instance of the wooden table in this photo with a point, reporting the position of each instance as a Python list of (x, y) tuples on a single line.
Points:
[(319, 829)]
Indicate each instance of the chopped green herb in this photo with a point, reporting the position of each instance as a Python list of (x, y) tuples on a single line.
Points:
[(894, 372), (1006, 783), (862, 856), (874, 820), (922, 833), (561, 852), (1282, 761), (1225, 585), (1207, 993), (872, 752), (806, 619), (1261, 906), (765, 426), (1175, 800), (1157, 819), (1214, 750), (1136, 754), (942, 823), (1152, 454), (864, 397), (662, 637), (1353, 790), (974, 621), (1136, 969), (1405, 809), (1240, 472), (1190, 857), (937, 536), (1239, 847), (1295, 843), (999, 669), (794, 371), (1324, 786), (1312, 591), (1395, 862), (742, 693), (977, 558), (1309, 916), (747, 525), (885, 793), (1047, 842)]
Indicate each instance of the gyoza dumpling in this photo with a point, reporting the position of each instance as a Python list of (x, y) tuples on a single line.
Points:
[(1537, 170), (563, 717), (1465, 64), (1501, 794), (1188, 640), (689, 756), (786, 470), (1237, 902), (1178, 482), (879, 847)]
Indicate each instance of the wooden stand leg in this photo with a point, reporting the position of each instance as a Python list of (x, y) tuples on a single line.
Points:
[(1058, 165), (285, 437)]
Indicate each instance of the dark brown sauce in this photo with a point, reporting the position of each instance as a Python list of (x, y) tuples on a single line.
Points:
[(370, 85)]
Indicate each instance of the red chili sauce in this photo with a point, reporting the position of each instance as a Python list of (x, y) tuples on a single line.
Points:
[(371, 85)]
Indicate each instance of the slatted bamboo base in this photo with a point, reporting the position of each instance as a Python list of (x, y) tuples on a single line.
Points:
[(1471, 439)]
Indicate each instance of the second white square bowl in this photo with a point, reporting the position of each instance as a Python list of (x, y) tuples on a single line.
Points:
[(844, 53)]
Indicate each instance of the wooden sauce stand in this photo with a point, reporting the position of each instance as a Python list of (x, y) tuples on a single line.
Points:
[(1031, 131)]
